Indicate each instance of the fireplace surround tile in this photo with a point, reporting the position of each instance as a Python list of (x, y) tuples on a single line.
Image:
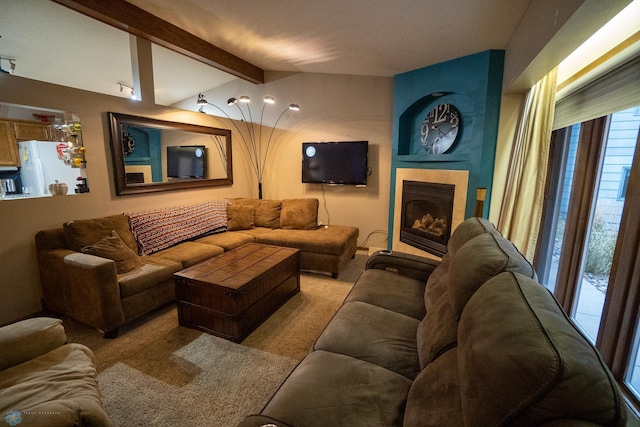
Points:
[(458, 178)]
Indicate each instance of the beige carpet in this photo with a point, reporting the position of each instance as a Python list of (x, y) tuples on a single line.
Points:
[(157, 373)]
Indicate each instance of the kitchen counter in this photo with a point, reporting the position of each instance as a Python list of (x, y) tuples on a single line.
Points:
[(27, 196)]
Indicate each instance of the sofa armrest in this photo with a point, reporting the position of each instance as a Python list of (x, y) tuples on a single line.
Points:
[(82, 286), (261, 421), (413, 266), (28, 339)]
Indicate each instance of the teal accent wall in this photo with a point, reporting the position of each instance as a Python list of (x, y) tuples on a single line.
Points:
[(473, 84), (148, 151)]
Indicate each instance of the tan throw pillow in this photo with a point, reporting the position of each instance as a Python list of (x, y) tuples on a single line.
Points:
[(113, 247), (240, 217), (299, 214), (267, 211), (80, 233)]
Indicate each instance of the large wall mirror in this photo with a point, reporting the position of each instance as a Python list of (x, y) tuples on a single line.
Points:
[(152, 155)]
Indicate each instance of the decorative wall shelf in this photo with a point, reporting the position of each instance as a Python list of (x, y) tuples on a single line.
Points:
[(139, 161)]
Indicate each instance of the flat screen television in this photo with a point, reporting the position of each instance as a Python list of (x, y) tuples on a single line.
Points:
[(342, 162), (188, 161)]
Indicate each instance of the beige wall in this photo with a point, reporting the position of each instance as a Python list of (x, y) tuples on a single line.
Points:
[(334, 107)]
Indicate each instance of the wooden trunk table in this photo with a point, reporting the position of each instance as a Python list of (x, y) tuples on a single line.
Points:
[(232, 294)]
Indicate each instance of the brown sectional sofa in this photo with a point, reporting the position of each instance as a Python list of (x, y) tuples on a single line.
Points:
[(137, 276), (472, 340)]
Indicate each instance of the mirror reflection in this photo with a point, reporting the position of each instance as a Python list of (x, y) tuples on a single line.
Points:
[(155, 155)]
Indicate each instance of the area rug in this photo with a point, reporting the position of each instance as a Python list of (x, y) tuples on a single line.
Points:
[(157, 373)]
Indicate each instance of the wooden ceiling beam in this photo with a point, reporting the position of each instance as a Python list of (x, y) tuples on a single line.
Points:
[(132, 19)]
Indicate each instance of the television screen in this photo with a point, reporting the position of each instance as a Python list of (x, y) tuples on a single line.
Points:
[(186, 161), (335, 162)]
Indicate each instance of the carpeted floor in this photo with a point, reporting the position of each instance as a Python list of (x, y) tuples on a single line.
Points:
[(157, 373)]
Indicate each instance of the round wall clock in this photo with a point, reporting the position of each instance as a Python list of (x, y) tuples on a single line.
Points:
[(311, 151), (440, 129)]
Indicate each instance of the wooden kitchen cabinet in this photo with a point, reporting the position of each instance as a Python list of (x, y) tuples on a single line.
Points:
[(12, 131), (26, 131), (8, 145)]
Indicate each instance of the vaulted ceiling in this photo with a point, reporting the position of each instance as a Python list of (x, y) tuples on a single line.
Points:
[(363, 37), (53, 43)]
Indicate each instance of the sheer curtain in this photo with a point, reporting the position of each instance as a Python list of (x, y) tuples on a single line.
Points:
[(523, 197)]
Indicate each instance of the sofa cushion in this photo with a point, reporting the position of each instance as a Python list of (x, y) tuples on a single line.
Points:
[(28, 339), (467, 230), (375, 335), (80, 233), (152, 272), (329, 389), (112, 247), (523, 362), (333, 240), (389, 290), (228, 240), (299, 214), (477, 261), (267, 211), (256, 231), (58, 388), (459, 275), (437, 332), (158, 229), (434, 397), (189, 253), (240, 217), (437, 283)]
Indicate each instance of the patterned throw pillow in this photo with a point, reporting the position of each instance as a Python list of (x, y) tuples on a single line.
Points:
[(114, 248), (161, 228)]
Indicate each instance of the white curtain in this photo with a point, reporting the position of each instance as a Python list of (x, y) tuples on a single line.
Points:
[(522, 203)]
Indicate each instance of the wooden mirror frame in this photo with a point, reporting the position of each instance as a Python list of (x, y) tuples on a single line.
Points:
[(123, 188)]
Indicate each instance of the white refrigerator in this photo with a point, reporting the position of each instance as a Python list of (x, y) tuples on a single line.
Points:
[(40, 166)]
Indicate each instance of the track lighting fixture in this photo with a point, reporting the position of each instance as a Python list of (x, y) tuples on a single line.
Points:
[(12, 65), (129, 87)]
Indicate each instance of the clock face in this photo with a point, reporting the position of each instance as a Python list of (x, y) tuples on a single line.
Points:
[(440, 129), (311, 151)]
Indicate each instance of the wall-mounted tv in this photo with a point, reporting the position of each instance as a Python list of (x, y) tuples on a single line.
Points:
[(342, 162), (189, 161)]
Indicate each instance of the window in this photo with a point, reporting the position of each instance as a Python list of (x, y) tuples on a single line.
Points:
[(561, 168), (624, 180), (591, 236)]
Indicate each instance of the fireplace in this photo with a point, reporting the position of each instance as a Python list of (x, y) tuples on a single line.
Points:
[(427, 210)]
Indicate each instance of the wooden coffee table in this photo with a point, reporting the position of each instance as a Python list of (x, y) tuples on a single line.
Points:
[(232, 294)]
